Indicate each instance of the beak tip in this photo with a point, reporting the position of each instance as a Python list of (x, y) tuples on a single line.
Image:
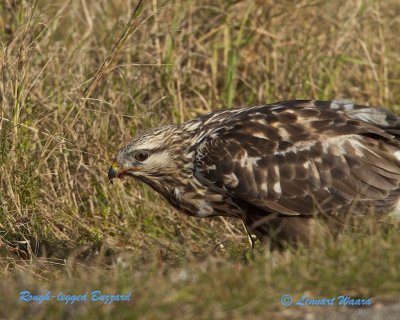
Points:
[(113, 172)]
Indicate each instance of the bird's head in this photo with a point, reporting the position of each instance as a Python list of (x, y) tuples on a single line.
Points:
[(155, 157)]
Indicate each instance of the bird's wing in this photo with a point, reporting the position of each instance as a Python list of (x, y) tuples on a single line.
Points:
[(302, 157)]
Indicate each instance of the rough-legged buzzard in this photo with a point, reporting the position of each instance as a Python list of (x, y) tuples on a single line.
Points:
[(275, 166)]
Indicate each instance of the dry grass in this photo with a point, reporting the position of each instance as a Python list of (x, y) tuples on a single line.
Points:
[(182, 59)]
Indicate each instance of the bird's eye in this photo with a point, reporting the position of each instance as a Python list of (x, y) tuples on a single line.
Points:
[(141, 156)]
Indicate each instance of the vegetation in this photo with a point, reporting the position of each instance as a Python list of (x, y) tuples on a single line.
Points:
[(64, 228)]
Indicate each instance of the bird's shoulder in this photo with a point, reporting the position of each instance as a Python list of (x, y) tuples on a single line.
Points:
[(297, 120), (292, 155)]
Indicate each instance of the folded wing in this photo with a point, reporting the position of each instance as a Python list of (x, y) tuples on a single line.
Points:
[(303, 157)]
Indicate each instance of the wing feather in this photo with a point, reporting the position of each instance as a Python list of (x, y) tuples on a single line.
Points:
[(303, 157)]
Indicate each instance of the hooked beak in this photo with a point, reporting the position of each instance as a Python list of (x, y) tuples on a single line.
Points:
[(116, 171)]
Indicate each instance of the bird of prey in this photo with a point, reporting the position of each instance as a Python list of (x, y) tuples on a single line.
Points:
[(278, 167)]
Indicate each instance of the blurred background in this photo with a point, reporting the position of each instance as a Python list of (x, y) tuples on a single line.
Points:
[(63, 227)]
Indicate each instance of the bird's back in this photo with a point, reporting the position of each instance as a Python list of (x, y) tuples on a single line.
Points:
[(302, 158)]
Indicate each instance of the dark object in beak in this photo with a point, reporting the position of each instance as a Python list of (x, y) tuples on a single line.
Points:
[(113, 172)]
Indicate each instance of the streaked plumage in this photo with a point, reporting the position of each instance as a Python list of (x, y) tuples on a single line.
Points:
[(276, 166)]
